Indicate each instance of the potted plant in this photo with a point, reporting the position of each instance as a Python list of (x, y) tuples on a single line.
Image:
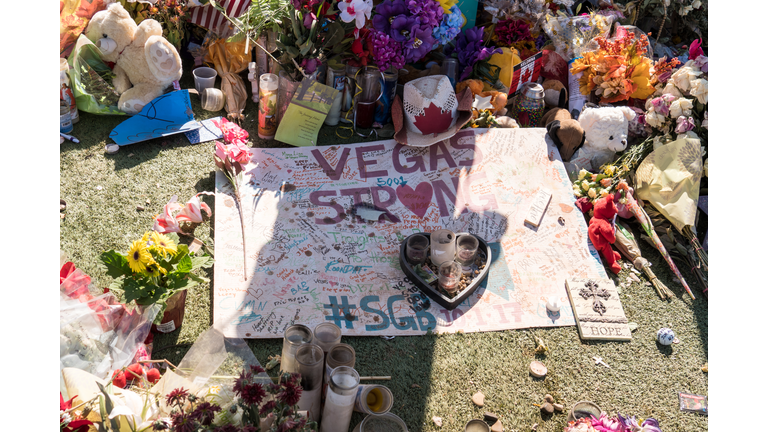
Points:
[(157, 269)]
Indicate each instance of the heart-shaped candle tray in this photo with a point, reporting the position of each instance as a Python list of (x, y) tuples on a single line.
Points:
[(431, 288)]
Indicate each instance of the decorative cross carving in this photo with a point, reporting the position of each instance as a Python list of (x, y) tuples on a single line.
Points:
[(592, 289)]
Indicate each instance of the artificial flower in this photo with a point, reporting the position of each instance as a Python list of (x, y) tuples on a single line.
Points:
[(429, 12), (450, 26), (232, 133), (607, 424), (386, 51), (192, 210), (695, 50), (167, 222), (401, 27), (447, 5), (237, 151), (386, 12), (699, 89), (469, 50), (138, 256), (670, 88), (684, 124), (680, 107), (356, 10), (702, 62), (510, 31), (419, 43), (163, 244)]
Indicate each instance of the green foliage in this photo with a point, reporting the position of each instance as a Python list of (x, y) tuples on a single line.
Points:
[(163, 277)]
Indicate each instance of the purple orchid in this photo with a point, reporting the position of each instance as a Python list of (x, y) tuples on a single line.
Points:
[(401, 27), (429, 11), (419, 43), (386, 12)]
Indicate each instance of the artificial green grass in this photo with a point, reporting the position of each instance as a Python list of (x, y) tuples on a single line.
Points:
[(432, 375)]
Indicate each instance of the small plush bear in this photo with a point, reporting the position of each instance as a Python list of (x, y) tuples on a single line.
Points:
[(605, 130), (601, 232), (145, 62)]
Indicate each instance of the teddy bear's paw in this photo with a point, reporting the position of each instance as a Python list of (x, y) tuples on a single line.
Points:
[(132, 106), (163, 59)]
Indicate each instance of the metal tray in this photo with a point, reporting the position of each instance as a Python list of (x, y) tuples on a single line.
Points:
[(432, 291)]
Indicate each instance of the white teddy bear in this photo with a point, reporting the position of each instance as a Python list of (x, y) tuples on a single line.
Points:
[(605, 130)]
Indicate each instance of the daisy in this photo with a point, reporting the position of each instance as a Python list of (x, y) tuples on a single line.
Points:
[(163, 244), (138, 256)]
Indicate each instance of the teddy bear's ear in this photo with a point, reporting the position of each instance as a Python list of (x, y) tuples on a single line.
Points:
[(588, 118), (119, 10), (628, 113)]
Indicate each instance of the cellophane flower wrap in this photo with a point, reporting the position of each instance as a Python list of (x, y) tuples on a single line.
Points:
[(571, 35)]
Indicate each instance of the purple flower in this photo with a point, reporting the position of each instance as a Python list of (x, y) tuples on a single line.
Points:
[(660, 105), (651, 425), (470, 50), (663, 78), (419, 43), (401, 27), (386, 12), (386, 51), (429, 11), (684, 124), (702, 62), (309, 65)]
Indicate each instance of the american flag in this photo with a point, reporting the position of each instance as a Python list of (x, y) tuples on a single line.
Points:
[(208, 17), (526, 71)]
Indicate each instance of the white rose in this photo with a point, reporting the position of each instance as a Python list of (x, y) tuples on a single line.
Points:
[(696, 4), (683, 76), (671, 89), (681, 107), (654, 119), (585, 185), (592, 193), (700, 89)]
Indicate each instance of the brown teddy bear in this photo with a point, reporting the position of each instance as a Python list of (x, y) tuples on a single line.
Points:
[(566, 132), (145, 62)]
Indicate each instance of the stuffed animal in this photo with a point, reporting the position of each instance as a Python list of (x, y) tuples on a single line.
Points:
[(555, 94), (601, 232), (498, 99), (145, 62), (564, 131), (605, 130)]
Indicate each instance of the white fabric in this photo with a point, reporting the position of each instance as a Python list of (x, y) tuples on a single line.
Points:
[(420, 93)]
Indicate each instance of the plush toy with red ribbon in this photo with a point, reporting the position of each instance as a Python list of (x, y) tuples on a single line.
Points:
[(601, 231)]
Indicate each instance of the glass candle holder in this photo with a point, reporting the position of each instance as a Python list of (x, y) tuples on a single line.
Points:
[(450, 68), (268, 86), (388, 89), (326, 336), (448, 276), (381, 422), (466, 251), (373, 399), (443, 246), (295, 336), (348, 99), (340, 400), (416, 249), (309, 358), (337, 79), (367, 92)]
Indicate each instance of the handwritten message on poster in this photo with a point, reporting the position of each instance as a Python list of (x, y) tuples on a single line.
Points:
[(312, 258)]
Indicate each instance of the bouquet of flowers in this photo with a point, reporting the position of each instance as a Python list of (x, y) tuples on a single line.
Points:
[(473, 55), (617, 70), (516, 34), (680, 102), (613, 424)]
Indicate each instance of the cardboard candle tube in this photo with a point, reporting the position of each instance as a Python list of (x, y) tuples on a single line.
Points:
[(373, 399)]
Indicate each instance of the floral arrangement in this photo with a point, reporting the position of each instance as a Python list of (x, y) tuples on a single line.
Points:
[(680, 102), (571, 34), (617, 70), (71, 420), (450, 26), (172, 15), (613, 424), (403, 31), (516, 34), (182, 219), (472, 55), (154, 268)]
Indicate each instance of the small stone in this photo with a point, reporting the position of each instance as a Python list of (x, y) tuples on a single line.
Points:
[(549, 398), (62, 215), (147, 202), (648, 284), (478, 399), (632, 326), (705, 368), (99, 188), (635, 271), (62, 207), (497, 427), (139, 208), (538, 369), (547, 408), (535, 425), (111, 148), (437, 421), (490, 417), (558, 407), (634, 277)]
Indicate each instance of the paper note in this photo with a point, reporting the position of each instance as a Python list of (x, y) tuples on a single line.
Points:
[(306, 113), (207, 132)]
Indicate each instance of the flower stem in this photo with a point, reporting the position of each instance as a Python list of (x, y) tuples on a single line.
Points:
[(242, 229)]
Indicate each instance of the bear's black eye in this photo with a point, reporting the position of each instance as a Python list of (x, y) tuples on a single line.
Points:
[(611, 138), (105, 36)]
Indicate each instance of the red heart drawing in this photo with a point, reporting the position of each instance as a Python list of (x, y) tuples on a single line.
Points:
[(417, 200)]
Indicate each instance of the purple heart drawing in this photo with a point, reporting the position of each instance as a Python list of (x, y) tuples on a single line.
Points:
[(417, 200)]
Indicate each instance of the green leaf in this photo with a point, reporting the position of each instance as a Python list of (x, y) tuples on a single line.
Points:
[(182, 250), (117, 264), (198, 279), (184, 265), (108, 406), (204, 261), (117, 284), (135, 291), (178, 281)]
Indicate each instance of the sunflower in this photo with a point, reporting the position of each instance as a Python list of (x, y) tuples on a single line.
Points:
[(153, 270), (163, 244), (138, 256)]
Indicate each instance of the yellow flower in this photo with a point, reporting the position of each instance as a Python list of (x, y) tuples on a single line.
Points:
[(592, 193), (163, 244), (139, 256), (641, 76), (583, 173), (215, 389), (609, 170), (153, 269), (603, 193)]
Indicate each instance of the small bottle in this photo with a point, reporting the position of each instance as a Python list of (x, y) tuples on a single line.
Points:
[(65, 121)]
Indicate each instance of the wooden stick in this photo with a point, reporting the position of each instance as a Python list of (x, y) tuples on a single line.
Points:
[(370, 378)]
